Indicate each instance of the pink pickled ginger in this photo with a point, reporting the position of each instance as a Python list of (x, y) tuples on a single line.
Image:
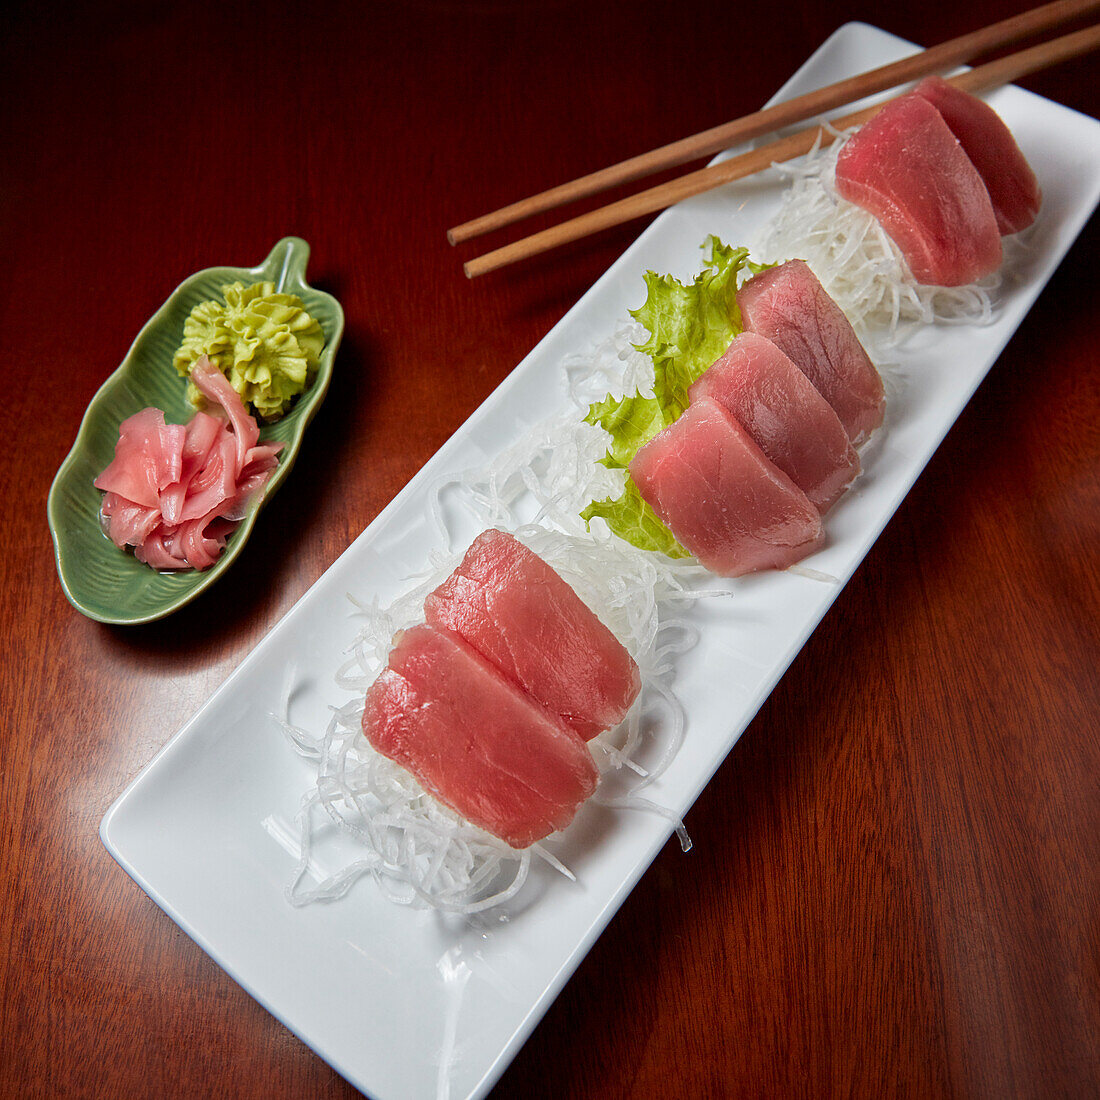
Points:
[(175, 492)]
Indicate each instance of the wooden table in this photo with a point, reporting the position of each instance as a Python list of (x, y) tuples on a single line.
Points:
[(894, 888)]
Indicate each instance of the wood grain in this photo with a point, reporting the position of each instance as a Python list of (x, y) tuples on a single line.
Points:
[(938, 58), (894, 888), (756, 159)]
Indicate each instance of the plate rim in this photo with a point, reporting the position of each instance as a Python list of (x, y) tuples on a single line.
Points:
[(537, 1010)]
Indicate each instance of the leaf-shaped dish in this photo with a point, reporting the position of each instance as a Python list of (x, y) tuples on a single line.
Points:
[(100, 580)]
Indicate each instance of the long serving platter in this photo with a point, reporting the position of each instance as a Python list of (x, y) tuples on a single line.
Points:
[(403, 1002)]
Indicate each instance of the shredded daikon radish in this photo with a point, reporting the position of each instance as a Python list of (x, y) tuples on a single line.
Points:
[(419, 851), (857, 262)]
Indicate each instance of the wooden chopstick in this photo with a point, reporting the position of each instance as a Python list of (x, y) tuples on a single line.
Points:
[(992, 75), (770, 119)]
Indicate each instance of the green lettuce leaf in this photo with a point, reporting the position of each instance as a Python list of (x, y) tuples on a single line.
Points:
[(630, 421), (632, 519), (689, 326)]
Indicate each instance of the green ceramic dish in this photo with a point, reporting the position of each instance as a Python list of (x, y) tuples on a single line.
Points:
[(109, 584)]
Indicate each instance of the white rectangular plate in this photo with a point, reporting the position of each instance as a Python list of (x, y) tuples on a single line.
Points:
[(397, 1000)]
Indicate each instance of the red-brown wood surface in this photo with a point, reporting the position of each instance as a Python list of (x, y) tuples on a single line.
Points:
[(894, 888)]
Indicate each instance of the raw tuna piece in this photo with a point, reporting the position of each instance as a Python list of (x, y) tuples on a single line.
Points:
[(906, 168), (721, 497), (510, 606), (988, 142), (474, 740), (786, 416), (789, 306)]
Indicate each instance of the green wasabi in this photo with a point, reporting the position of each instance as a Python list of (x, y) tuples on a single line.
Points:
[(265, 343)]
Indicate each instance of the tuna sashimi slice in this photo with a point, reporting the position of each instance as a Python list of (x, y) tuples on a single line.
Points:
[(789, 306), (907, 169), (988, 142), (476, 741), (722, 498), (518, 613), (785, 414)]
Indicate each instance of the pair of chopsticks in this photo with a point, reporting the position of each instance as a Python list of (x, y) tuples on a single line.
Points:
[(999, 35)]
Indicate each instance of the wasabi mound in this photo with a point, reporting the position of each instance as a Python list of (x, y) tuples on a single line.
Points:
[(265, 343)]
